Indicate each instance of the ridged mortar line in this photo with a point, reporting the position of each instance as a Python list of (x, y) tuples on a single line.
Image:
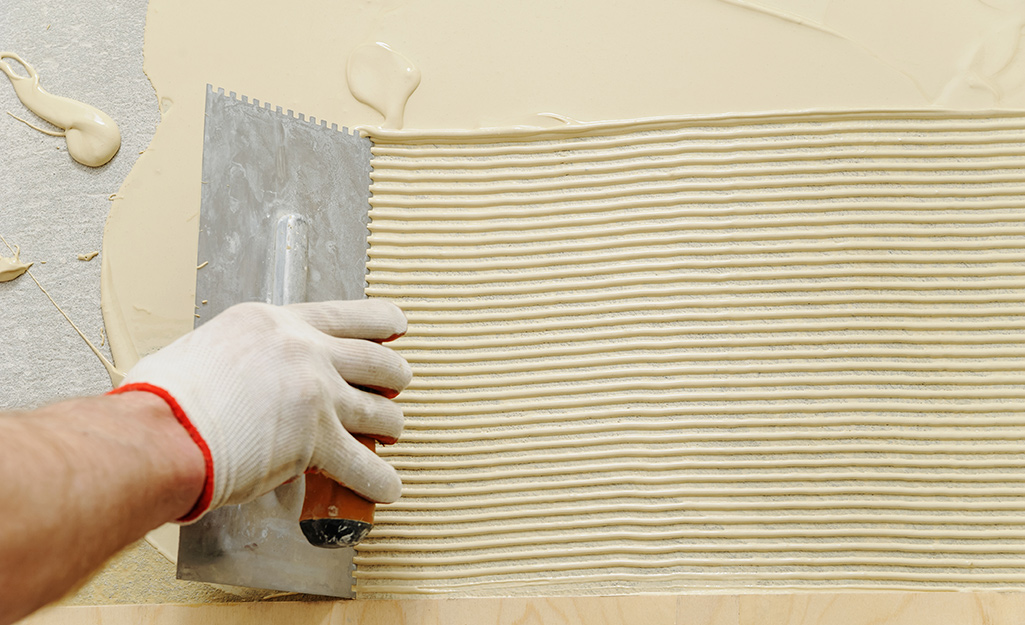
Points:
[(567, 188), (669, 209), (445, 406), (724, 569), (641, 338), (812, 412), (821, 501), (392, 530), (621, 551), (470, 514), (730, 457), (591, 277), (766, 486), (692, 167), (834, 292), (429, 325), (839, 243), (820, 472), (475, 380), (726, 362), (822, 219), (616, 420), (689, 128), (712, 192), (727, 153)]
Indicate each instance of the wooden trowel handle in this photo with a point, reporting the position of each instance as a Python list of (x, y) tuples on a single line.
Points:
[(333, 516)]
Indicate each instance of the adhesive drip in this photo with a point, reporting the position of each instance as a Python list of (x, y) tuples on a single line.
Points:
[(92, 136), (382, 79), (11, 268)]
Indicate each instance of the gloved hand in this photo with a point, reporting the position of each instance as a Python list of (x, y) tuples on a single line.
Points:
[(268, 392)]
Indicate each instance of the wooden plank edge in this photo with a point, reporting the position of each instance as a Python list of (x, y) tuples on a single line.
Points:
[(821, 608)]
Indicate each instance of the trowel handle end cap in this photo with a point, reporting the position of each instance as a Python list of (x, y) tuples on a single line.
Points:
[(334, 533)]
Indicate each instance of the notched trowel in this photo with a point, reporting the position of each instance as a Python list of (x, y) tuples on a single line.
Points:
[(283, 219)]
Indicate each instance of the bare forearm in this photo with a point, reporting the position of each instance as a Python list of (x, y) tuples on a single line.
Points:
[(80, 480), (221, 415)]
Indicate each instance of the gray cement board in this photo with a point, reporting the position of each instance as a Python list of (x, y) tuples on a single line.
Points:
[(53, 207)]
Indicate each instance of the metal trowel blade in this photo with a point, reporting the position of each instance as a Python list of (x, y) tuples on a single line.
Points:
[(269, 175)]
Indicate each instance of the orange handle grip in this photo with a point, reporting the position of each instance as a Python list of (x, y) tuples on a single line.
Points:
[(333, 516)]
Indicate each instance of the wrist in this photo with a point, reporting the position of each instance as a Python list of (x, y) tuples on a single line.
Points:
[(176, 444)]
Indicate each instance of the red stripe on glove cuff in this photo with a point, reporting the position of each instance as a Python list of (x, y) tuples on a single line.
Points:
[(208, 484)]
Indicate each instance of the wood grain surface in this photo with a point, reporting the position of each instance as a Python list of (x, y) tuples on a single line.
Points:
[(896, 608)]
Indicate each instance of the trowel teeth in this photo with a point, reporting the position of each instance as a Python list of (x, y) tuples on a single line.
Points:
[(324, 124)]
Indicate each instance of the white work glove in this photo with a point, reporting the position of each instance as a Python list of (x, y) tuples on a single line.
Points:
[(268, 392)]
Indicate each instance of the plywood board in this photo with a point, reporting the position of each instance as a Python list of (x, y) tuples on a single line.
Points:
[(897, 608)]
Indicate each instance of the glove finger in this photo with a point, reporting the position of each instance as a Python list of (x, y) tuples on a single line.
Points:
[(366, 413), (371, 319), (349, 463), (370, 366)]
